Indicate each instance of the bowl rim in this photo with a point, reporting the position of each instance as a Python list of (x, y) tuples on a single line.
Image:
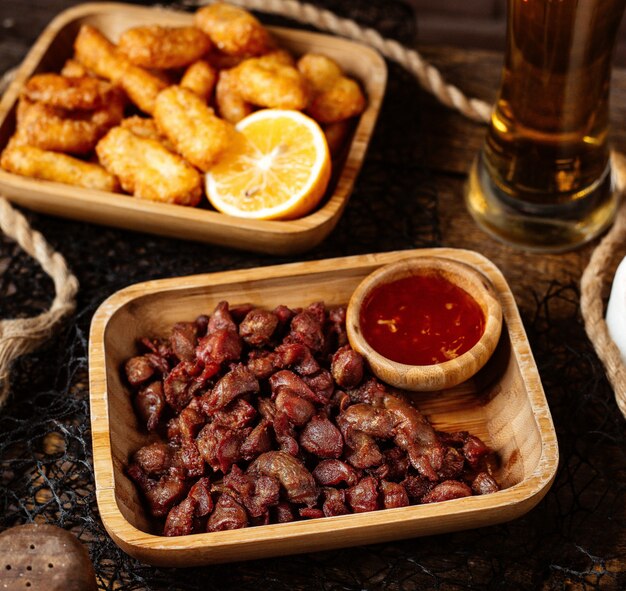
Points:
[(436, 376)]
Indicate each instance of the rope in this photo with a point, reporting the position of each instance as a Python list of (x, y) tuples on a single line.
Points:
[(595, 277), (24, 335)]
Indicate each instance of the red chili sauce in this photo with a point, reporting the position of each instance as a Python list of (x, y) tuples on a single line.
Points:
[(421, 320)]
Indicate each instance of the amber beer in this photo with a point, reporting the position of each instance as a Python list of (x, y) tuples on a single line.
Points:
[(543, 179)]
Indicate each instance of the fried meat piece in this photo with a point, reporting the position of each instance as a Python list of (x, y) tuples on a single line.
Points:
[(233, 30), (60, 130), (344, 99), (266, 82), (82, 93), (61, 168), (74, 69), (95, 52), (319, 70), (230, 104), (296, 480), (148, 170), (146, 128), (335, 96), (155, 46), (200, 77), (196, 132)]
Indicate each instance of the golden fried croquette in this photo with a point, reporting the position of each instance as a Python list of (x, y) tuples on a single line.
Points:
[(266, 82), (74, 69), (342, 100), (154, 46), (200, 77), (320, 71), (82, 93), (97, 53), (229, 103), (52, 166), (233, 30), (279, 56), (147, 129), (147, 170), (194, 129), (60, 130), (335, 96)]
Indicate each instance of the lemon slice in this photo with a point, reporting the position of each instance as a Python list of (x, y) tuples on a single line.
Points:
[(277, 168)]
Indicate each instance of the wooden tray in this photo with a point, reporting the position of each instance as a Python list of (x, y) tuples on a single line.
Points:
[(54, 46), (504, 404)]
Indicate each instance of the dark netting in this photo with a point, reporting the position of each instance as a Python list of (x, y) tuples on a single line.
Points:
[(45, 448)]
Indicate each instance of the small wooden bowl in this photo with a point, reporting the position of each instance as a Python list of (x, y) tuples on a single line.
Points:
[(428, 378)]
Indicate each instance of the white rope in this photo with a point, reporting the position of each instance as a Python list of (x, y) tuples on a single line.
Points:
[(23, 335)]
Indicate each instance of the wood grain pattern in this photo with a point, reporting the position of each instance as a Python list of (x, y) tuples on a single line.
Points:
[(504, 404), (42, 557), (54, 46)]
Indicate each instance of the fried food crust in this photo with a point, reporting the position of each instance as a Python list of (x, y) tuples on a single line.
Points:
[(155, 46), (147, 129), (94, 51), (194, 129), (233, 30), (268, 83), (70, 93), (335, 96), (147, 170), (320, 71), (52, 166), (60, 130), (342, 100), (200, 77), (74, 69), (230, 105)]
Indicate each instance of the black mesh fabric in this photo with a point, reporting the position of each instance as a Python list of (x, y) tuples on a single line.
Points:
[(574, 539)]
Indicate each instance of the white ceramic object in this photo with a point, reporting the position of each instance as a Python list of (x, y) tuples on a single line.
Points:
[(616, 309)]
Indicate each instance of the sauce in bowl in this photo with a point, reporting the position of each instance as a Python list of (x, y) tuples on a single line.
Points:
[(421, 320)]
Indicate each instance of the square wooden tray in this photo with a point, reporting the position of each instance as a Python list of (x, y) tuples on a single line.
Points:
[(54, 46), (504, 404)]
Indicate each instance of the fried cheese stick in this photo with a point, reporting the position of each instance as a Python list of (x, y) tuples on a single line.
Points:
[(52, 166), (154, 46), (95, 52), (194, 129), (267, 82), (75, 132), (233, 30), (147, 170), (71, 93), (229, 103), (200, 77)]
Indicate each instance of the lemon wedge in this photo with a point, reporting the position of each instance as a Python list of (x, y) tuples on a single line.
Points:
[(277, 168)]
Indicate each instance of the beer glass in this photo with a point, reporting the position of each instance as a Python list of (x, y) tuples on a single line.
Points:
[(543, 178)]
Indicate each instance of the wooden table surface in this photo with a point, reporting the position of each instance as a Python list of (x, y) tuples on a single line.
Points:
[(547, 292)]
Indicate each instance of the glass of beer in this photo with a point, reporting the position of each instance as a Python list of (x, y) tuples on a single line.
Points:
[(543, 179)]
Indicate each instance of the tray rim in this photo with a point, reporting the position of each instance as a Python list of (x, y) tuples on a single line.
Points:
[(501, 506), (296, 235)]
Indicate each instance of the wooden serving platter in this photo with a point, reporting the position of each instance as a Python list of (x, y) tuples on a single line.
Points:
[(55, 45), (504, 404)]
